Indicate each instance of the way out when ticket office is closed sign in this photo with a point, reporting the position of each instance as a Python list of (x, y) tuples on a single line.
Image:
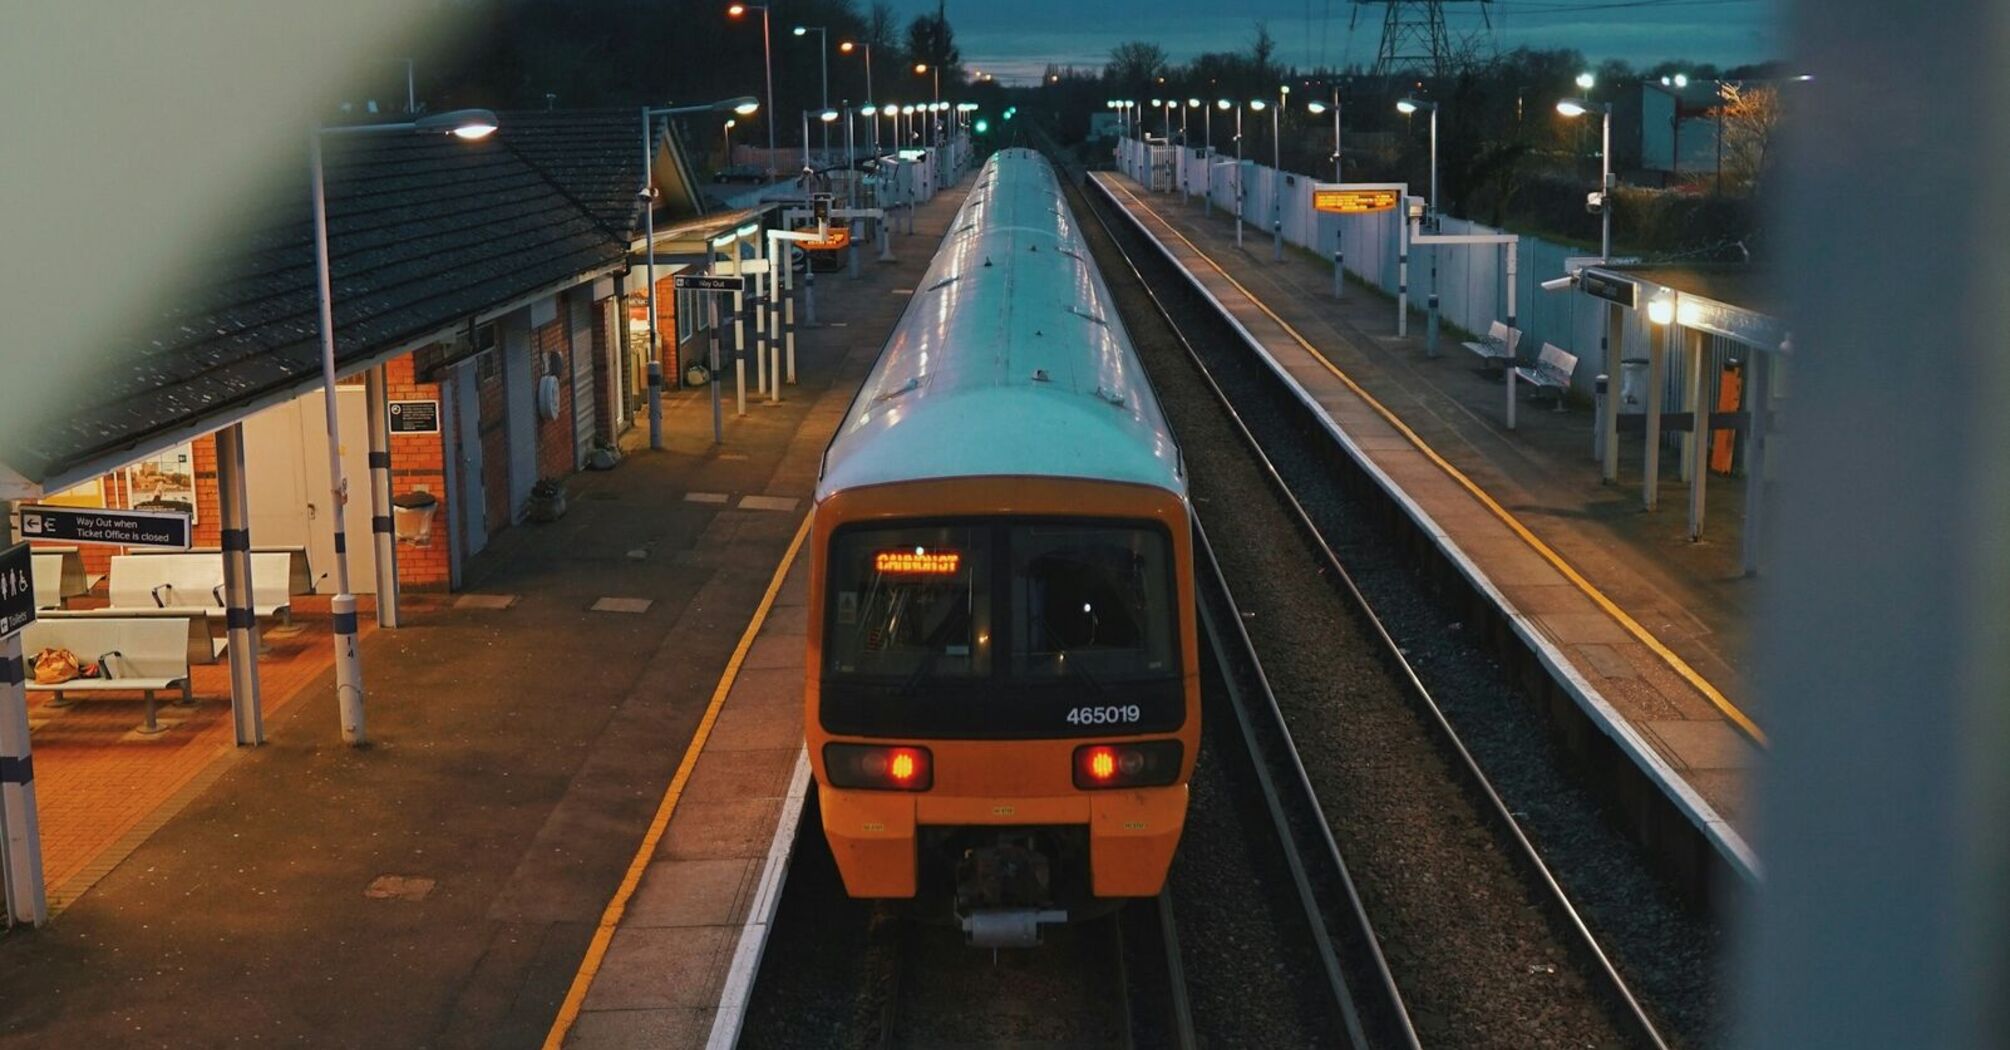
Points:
[(124, 528), (17, 590)]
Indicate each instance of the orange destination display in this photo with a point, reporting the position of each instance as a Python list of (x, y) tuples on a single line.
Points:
[(1353, 202), (917, 561)]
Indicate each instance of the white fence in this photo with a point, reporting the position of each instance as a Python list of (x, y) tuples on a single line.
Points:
[(1472, 279)]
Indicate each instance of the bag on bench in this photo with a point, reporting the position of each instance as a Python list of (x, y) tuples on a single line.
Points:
[(54, 666)]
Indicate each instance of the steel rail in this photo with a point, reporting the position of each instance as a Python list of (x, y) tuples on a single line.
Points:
[(1477, 781)]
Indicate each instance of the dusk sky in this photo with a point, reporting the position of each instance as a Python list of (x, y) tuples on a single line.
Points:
[(1016, 38)]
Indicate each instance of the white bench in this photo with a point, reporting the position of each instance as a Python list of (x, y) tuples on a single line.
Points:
[(299, 577), (144, 655), (59, 575), (1499, 344), (205, 643), (1552, 370), (195, 582)]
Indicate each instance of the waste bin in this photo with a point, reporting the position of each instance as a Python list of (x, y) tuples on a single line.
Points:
[(412, 517), (1633, 385)]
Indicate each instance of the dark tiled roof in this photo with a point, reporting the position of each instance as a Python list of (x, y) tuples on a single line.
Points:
[(423, 232), (592, 156)]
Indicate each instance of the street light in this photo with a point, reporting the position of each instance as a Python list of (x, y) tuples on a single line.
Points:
[(1586, 80), (847, 47), (1409, 106), (1316, 107), (744, 105), (469, 125), (768, 64), (823, 57), (729, 140), (1277, 176)]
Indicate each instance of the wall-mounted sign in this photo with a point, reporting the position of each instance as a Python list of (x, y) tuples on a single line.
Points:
[(118, 528), (415, 417), (710, 282), (1609, 288), (17, 589), (1354, 200), (164, 481)]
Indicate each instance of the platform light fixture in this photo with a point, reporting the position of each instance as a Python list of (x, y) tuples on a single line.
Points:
[(739, 10), (1408, 106), (1661, 308), (1585, 81)]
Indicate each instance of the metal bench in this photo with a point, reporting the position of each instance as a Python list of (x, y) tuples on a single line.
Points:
[(59, 575), (299, 579), (192, 582), (1552, 370), (1498, 345), (138, 654), (205, 642)]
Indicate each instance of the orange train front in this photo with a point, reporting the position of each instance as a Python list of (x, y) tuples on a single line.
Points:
[(1003, 698)]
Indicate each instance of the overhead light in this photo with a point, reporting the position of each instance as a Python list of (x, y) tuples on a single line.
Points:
[(1661, 308), (1681, 80), (1586, 80), (868, 111), (1256, 104), (1315, 107), (1192, 102), (1223, 104), (801, 30), (828, 115), (470, 124), (1571, 107), (745, 105), (1406, 106)]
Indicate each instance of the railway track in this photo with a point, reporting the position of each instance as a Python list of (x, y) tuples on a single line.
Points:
[(1487, 946), (853, 974)]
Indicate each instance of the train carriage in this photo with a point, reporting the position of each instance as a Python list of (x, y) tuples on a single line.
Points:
[(1002, 699)]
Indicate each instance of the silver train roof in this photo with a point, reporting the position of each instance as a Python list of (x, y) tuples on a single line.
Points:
[(1010, 359)]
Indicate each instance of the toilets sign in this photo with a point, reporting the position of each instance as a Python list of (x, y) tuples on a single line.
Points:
[(17, 589), (121, 528)]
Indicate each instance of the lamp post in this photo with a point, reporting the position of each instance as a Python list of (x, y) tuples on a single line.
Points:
[(1316, 107), (1256, 104), (1674, 85), (768, 65), (470, 125), (824, 57), (729, 140), (1406, 107), (1207, 124), (846, 47), (923, 69), (743, 106), (1409, 106), (1577, 107)]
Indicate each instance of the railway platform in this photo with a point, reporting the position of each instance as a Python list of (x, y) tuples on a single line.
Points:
[(442, 886), (1647, 630)]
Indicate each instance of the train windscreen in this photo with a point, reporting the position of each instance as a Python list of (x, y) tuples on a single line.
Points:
[(1079, 600)]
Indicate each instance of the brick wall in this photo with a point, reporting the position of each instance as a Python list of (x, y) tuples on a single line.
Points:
[(606, 407), (418, 463), (551, 356)]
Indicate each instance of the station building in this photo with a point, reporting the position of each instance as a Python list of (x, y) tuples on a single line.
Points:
[(490, 335)]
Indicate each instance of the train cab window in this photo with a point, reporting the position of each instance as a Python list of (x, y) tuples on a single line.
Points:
[(1091, 601), (910, 602)]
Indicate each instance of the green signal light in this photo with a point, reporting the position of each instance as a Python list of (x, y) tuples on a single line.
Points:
[(983, 126)]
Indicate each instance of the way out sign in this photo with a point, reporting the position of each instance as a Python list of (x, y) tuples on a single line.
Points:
[(1355, 198), (122, 528)]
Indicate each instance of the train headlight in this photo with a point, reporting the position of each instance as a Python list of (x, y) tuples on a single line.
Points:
[(1151, 763), (878, 768)]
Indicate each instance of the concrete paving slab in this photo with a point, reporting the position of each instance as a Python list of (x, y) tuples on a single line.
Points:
[(1706, 744), (723, 776), (657, 967), (485, 601), (776, 650), (1607, 662), (1571, 628), (755, 728), (780, 503), (692, 893), (622, 605), (641, 1029), (731, 828), (706, 497)]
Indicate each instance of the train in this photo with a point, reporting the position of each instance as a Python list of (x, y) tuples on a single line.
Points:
[(1002, 700)]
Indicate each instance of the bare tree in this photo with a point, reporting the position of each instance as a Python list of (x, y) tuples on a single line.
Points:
[(1751, 117), (1135, 64), (1262, 49)]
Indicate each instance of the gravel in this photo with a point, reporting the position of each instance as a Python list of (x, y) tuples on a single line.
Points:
[(1471, 949)]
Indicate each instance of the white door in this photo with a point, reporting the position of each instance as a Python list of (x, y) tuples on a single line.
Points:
[(581, 324), (286, 477), (519, 407)]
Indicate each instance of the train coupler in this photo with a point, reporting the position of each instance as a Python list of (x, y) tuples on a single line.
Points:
[(1009, 927)]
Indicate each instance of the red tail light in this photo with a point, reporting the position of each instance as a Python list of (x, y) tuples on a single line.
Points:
[(1150, 763), (879, 768)]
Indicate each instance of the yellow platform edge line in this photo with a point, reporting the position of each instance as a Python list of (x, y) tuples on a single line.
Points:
[(617, 906), (1620, 616)]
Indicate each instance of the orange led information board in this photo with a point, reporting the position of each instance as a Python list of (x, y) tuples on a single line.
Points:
[(916, 561), (838, 236), (1352, 202)]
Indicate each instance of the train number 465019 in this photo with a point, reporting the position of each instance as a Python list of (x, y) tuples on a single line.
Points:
[(1101, 716)]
